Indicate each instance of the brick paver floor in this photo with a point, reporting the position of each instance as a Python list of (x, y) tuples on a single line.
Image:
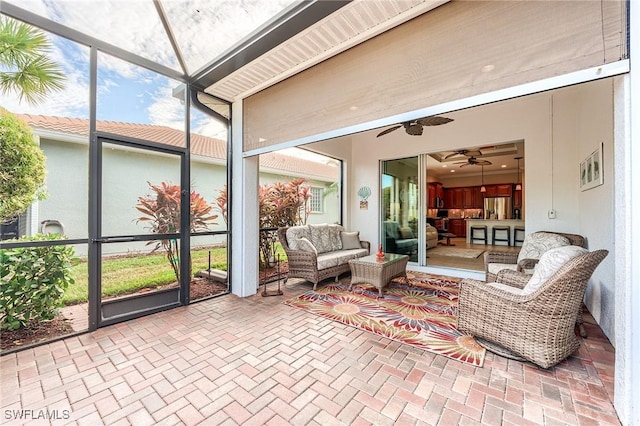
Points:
[(256, 361)]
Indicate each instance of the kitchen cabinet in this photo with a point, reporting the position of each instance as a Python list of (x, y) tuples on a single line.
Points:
[(517, 199), (453, 198), (502, 190), (434, 195), (467, 198), (478, 198), (458, 227)]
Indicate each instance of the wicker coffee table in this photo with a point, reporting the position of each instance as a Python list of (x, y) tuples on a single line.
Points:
[(378, 272)]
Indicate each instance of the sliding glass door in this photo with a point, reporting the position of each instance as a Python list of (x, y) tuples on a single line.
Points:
[(400, 206)]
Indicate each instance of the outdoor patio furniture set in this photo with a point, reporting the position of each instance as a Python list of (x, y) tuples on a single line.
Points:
[(527, 308)]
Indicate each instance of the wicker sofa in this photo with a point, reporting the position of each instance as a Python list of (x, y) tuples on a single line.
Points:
[(522, 319), (318, 252)]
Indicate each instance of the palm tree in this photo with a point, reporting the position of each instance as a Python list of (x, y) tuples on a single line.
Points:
[(24, 66)]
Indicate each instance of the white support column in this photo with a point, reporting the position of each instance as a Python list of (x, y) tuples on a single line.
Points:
[(244, 213), (627, 229)]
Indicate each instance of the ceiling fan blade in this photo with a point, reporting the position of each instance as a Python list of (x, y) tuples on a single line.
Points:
[(451, 155), (463, 162), (467, 164), (434, 120), (389, 130), (483, 163)]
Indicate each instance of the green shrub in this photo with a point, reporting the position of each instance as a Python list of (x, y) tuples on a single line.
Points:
[(22, 167), (32, 282)]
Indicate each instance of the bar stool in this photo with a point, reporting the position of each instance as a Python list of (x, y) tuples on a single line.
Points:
[(518, 235), (482, 229), (506, 229)]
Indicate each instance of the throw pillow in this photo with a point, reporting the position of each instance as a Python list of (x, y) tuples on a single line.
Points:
[(406, 233), (536, 244), (350, 240), (334, 236), (549, 264), (296, 232), (305, 245), (320, 237)]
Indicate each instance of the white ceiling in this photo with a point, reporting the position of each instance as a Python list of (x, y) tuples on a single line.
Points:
[(502, 157)]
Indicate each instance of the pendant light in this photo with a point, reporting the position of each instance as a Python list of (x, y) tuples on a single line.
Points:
[(482, 187), (518, 185)]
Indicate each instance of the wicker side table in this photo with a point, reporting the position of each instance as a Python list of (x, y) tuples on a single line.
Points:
[(378, 272)]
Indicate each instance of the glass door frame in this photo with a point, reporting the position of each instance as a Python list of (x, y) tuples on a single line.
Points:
[(129, 308), (421, 201)]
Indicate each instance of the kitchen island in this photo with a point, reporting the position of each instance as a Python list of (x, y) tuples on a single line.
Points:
[(490, 223)]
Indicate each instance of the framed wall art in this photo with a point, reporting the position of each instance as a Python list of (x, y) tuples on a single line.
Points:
[(591, 170)]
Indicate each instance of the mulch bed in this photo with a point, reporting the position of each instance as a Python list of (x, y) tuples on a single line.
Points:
[(35, 332), (271, 274)]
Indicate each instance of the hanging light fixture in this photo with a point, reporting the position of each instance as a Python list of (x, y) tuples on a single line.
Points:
[(518, 185), (482, 187)]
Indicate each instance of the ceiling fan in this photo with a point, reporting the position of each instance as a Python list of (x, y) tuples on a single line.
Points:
[(414, 127), (473, 161), (468, 152)]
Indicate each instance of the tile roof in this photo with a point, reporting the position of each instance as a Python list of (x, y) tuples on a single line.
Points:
[(200, 145)]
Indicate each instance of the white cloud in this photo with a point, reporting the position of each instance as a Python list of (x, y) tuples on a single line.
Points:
[(133, 25), (209, 127)]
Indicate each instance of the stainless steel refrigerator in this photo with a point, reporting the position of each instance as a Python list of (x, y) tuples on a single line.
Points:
[(498, 208)]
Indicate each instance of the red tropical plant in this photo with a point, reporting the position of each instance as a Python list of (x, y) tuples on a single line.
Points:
[(161, 211), (280, 204)]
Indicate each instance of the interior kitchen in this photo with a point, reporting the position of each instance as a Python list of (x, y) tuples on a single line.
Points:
[(475, 198)]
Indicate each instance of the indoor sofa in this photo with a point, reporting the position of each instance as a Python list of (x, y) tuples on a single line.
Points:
[(317, 252)]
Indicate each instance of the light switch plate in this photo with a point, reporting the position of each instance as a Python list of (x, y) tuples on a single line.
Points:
[(551, 214)]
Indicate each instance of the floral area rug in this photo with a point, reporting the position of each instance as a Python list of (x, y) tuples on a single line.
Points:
[(421, 313)]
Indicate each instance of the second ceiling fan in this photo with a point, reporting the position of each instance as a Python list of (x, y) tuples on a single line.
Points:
[(473, 161), (414, 127)]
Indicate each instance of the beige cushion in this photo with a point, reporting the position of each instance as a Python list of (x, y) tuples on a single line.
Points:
[(329, 260), (536, 244), (350, 240), (494, 268), (549, 264), (305, 245)]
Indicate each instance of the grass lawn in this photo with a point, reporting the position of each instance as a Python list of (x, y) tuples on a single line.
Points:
[(122, 275)]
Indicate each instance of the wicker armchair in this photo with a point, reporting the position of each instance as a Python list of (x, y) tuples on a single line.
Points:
[(538, 327), (304, 264), (496, 260)]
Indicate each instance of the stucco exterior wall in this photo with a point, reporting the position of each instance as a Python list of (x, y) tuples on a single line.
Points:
[(331, 202)]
